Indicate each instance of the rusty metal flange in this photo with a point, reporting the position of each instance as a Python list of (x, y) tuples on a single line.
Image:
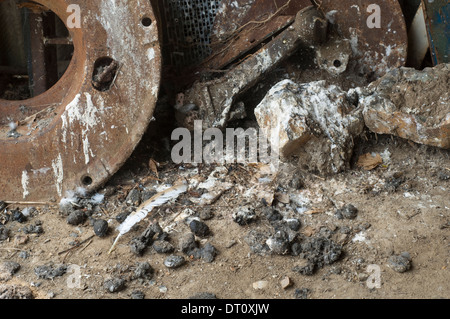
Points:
[(376, 48), (79, 132)]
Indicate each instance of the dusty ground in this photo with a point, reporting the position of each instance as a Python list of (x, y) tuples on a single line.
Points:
[(413, 217), (403, 206)]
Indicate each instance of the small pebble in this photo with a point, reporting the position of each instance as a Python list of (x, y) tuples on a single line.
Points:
[(279, 243), (286, 282), (206, 214), (144, 271), (49, 271), (24, 254), (271, 214), (4, 233), (122, 216), (293, 223), (101, 227), (260, 285), (244, 215), (163, 289), (76, 218), (8, 269), (203, 295), (18, 216), (199, 228), (163, 247), (444, 176), (348, 212), (174, 261), (114, 285), (400, 263), (301, 293), (137, 294), (208, 253), (133, 198), (188, 243)]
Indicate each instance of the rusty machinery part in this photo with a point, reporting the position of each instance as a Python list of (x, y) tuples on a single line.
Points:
[(375, 48), (214, 99), (80, 131), (240, 26)]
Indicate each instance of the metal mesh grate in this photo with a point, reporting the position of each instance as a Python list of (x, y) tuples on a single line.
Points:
[(188, 26)]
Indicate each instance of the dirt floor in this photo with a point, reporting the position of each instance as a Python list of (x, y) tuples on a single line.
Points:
[(403, 205)]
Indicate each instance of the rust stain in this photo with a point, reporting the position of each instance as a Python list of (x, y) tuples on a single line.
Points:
[(75, 135)]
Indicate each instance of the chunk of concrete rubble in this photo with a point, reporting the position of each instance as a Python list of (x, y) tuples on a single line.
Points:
[(410, 104), (314, 121)]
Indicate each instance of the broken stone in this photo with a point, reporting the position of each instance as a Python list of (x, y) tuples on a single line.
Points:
[(122, 216), (410, 104), (203, 295), (36, 228), (199, 228), (208, 253), (144, 271), (286, 282), (400, 263), (8, 269), (244, 215), (137, 294), (206, 213), (307, 269), (163, 247), (4, 233), (260, 285), (279, 243), (18, 216), (188, 243), (316, 252), (133, 198), (76, 218), (49, 271), (139, 244), (271, 214), (315, 122), (114, 285), (348, 212), (21, 239), (174, 261), (257, 242), (100, 227), (301, 293), (293, 224)]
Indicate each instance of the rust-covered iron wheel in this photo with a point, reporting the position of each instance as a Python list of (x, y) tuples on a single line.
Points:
[(80, 131)]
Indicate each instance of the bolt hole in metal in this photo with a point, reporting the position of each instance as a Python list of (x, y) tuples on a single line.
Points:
[(104, 74), (86, 180), (36, 50), (337, 63), (146, 21)]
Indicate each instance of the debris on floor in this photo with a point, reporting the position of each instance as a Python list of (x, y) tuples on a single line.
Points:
[(315, 122), (410, 104)]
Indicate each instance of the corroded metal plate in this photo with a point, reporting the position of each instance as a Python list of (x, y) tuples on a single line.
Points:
[(75, 135), (377, 48)]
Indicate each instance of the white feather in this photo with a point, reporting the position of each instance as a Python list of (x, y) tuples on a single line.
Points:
[(81, 191), (12, 126), (97, 199), (143, 210)]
